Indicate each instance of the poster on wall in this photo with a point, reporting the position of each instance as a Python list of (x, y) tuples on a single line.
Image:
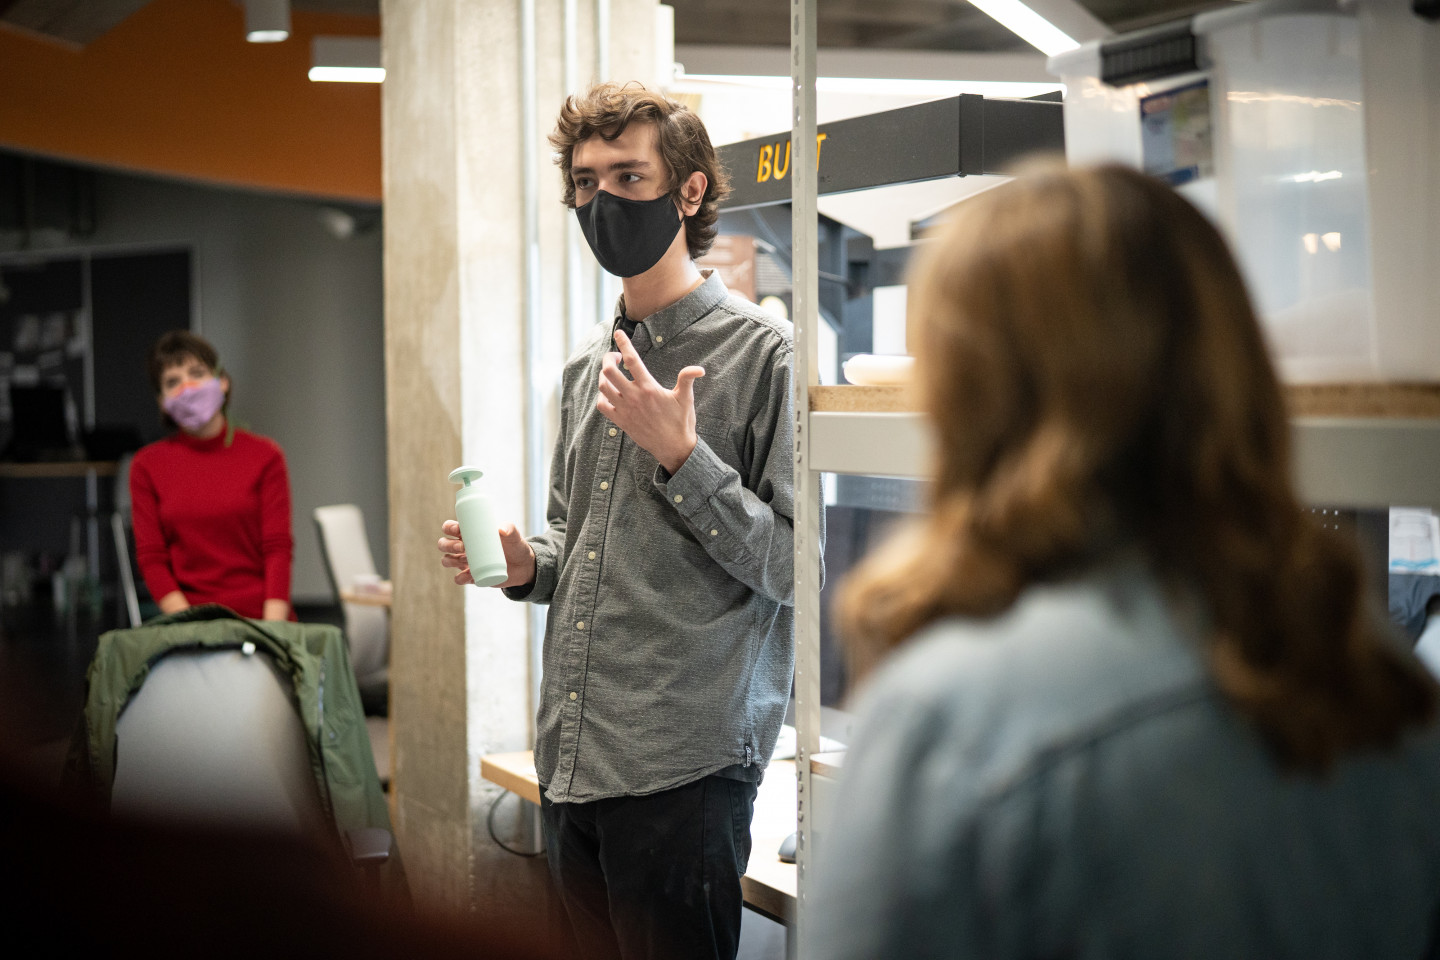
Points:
[(1176, 138)]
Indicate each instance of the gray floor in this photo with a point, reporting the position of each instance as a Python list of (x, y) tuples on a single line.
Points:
[(760, 938)]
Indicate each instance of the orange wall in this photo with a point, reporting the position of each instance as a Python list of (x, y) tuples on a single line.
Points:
[(176, 90)]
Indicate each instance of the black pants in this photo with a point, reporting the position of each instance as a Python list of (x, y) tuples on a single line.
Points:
[(654, 877)]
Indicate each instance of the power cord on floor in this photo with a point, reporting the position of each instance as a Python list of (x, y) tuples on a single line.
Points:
[(490, 826)]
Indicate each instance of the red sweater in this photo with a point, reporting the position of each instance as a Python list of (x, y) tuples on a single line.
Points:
[(213, 521)]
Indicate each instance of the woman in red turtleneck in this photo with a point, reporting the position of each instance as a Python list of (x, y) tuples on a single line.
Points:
[(211, 503)]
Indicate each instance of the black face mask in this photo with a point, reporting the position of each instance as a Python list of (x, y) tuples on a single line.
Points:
[(629, 237)]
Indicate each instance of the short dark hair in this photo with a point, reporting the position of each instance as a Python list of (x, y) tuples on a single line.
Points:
[(177, 346), (607, 109)]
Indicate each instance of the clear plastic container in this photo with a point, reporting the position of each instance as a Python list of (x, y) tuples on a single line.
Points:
[(1308, 134)]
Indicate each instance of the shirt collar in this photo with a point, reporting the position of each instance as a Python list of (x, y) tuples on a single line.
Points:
[(669, 321)]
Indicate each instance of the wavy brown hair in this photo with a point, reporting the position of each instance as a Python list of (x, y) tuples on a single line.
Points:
[(606, 109), (1095, 378)]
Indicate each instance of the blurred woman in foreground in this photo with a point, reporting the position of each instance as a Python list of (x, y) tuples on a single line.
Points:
[(1141, 705)]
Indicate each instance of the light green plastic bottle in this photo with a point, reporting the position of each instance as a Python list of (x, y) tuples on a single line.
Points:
[(478, 528)]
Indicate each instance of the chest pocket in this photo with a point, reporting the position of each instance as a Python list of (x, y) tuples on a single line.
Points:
[(717, 434)]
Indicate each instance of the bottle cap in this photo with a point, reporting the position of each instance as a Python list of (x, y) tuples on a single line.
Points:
[(466, 475)]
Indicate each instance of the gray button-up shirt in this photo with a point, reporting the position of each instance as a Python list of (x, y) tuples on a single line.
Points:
[(669, 647)]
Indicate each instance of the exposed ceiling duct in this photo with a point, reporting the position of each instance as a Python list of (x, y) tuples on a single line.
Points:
[(73, 22), (881, 24)]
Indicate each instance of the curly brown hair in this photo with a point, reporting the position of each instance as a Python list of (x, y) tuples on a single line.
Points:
[(1095, 377), (606, 109)]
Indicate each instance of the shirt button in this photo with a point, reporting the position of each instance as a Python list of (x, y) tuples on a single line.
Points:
[(580, 625), (714, 533), (678, 498), (604, 484), (591, 554), (613, 431), (659, 339), (574, 695)]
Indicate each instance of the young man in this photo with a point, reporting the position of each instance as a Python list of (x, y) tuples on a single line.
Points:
[(668, 561)]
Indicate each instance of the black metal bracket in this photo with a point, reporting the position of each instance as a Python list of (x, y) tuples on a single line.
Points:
[(1162, 51), (956, 137)]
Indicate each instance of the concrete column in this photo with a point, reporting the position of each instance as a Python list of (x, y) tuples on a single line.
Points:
[(456, 380)]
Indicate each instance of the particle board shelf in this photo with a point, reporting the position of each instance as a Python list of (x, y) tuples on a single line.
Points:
[(866, 430), (828, 764), (1415, 401), (1354, 445), (853, 399)]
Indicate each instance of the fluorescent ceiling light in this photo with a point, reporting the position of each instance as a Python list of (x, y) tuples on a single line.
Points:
[(1315, 176), (346, 60), (1028, 25), (876, 86), (348, 74), (267, 21)]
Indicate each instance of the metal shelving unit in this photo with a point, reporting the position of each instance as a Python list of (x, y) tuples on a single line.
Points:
[(1386, 453), (959, 136), (805, 287)]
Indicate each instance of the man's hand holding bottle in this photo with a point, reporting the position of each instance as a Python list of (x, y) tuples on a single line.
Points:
[(519, 555)]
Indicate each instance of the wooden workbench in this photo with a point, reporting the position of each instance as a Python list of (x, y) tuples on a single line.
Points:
[(768, 884)]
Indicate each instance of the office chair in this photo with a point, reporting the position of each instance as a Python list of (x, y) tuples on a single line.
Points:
[(207, 719), (346, 550)]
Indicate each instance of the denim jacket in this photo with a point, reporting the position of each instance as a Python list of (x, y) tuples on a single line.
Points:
[(1065, 780)]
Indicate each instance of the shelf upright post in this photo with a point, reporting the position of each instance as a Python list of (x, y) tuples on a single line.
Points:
[(804, 181), (536, 468), (604, 302)]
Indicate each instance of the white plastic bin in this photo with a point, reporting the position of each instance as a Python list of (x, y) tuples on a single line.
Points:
[(1311, 134)]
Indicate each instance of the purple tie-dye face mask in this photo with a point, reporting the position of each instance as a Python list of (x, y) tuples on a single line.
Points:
[(195, 406)]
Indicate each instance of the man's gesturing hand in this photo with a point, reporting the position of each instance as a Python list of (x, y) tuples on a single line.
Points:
[(661, 421), (519, 555)]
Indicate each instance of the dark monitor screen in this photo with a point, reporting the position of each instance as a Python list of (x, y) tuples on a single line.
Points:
[(40, 428)]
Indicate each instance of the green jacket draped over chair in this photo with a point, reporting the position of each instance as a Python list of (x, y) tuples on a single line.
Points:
[(313, 656)]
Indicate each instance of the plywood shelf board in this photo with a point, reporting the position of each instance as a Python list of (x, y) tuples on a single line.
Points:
[(1379, 400)]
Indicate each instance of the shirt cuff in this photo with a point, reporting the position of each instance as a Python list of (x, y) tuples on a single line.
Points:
[(689, 489), (700, 475)]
